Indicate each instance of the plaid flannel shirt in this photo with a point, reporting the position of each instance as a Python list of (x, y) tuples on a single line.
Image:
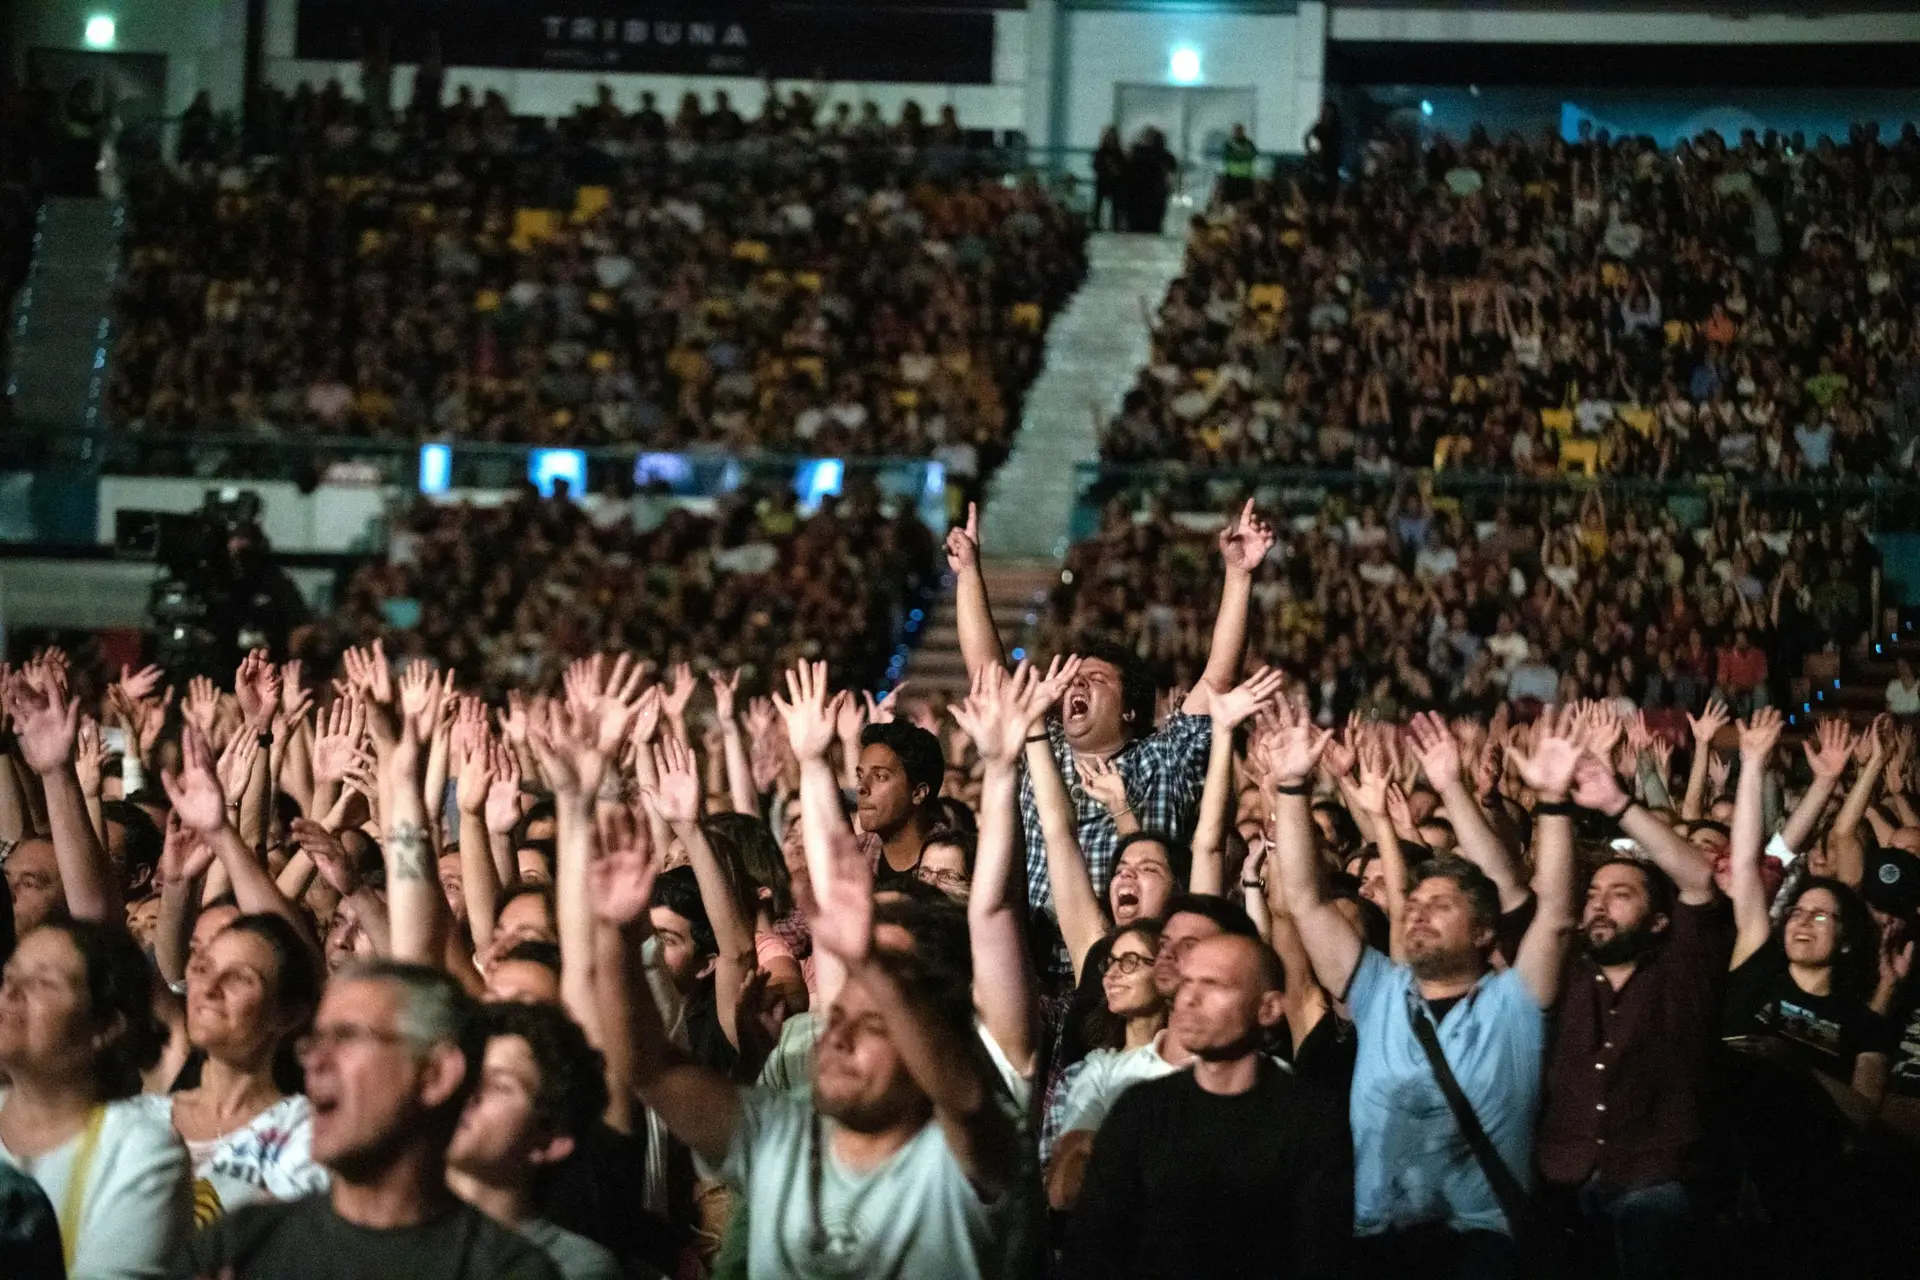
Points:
[(1164, 772)]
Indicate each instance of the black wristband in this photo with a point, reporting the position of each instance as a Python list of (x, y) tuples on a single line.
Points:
[(1038, 737), (1555, 809), (1294, 788), (264, 739)]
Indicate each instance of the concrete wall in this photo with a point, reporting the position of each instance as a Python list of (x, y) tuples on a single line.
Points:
[(1549, 24)]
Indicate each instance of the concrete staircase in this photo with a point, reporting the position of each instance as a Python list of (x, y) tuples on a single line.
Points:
[(1095, 348), (62, 319), (1016, 592)]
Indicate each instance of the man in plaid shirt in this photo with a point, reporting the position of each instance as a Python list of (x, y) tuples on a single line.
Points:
[(1106, 712)]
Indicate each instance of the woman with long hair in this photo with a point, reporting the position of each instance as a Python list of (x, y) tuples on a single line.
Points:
[(247, 1126), (76, 1030)]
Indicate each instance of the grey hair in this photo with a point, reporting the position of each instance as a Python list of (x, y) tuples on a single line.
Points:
[(434, 1009)]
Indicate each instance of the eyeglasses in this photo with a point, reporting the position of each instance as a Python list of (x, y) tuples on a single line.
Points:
[(1809, 915), (1129, 963), (944, 879), (341, 1037)]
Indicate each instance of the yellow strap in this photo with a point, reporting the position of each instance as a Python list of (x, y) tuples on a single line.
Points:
[(77, 1186)]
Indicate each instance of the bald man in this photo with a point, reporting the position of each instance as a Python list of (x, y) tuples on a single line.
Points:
[(1235, 1168)]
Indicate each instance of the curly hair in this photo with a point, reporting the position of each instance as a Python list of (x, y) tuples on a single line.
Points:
[(572, 1095), (119, 1006)]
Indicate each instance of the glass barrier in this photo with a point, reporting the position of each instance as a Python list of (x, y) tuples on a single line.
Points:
[(1879, 505)]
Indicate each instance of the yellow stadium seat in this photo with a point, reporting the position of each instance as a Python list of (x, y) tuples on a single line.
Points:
[(590, 201), (1580, 455)]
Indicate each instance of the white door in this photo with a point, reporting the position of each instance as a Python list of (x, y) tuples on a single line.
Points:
[(1211, 115)]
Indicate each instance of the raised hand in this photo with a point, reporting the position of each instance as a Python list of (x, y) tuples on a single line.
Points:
[(882, 710), (329, 856), (256, 685), (1758, 734), (184, 856), (203, 704), (139, 685), (89, 753), (1245, 541), (369, 673), (1829, 749), (423, 698), (992, 712), (295, 698), (1710, 721), (963, 542), (475, 779), (810, 721), (235, 764), (676, 797), (679, 694), (1596, 787), (513, 721), (568, 753), (726, 688), (196, 794), (1370, 784), (621, 878), (1548, 763), (842, 925), (45, 724), (503, 789), (1294, 748), (850, 718), (1231, 708), (1051, 687), (1435, 747), (342, 729)]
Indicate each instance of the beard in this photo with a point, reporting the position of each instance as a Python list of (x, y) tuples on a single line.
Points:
[(1624, 946)]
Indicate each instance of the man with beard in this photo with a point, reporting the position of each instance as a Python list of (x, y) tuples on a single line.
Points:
[(1620, 1127), (1423, 1203)]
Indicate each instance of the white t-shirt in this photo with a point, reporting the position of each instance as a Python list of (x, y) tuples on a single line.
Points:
[(1902, 701), (914, 1215), (137, 1207), (270, 1157), (1104, 1075)]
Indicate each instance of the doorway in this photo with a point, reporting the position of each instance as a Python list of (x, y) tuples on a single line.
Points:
[(1196, 122)]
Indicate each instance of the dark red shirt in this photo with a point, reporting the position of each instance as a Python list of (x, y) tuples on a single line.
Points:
[(1626, 1069)]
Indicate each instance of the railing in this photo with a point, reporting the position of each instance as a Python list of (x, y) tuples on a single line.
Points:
[(445, 466), (1879, 505)]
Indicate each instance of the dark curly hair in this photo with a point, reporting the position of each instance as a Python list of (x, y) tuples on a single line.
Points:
[(679, 892), (1137, 690), (919, 751), (572, 1095), (119, 1005)]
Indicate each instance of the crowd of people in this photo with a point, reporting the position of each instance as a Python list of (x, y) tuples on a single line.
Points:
[(508, 594), (1398, 598), (800, 282), (374, 968), (1517, 307)]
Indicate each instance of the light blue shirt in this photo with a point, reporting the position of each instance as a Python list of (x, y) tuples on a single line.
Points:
[(1410, 1163)]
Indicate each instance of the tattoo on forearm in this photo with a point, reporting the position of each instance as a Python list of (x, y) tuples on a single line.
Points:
[(408, 844)]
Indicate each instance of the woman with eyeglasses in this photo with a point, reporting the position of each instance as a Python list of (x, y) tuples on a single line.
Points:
[(76, 1030), (247, 1126), (946, 863), (1801, 993), (1127, 1034)]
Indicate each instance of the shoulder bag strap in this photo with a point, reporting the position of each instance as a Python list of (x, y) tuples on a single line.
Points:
[(1513, 1198)]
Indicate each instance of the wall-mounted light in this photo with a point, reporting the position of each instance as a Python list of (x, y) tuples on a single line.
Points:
[(1183, 65), (1426, 106), (100, 31)]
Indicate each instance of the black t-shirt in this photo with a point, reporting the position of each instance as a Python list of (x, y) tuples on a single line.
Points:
[(1184, 1183), (1762, 999), (306, 1240)]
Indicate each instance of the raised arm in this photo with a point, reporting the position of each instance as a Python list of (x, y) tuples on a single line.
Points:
[(744, 796), (1596, 787), (45, 722), (1228, 710), (1850, 855), (979, 639), (810, 718), (701, 1107), (1332, 943), (678, 802), (1435, 747), (1749, 892), (416, 905), (569, 756), (1705, 725), (939, 1055), (1075, 904), (197, 797), (473, 781), (998, 716), (1548, 767), (1244, 543)]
